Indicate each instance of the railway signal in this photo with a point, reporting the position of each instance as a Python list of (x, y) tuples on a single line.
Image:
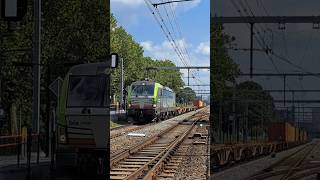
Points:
[(13, 10), (114, 60)]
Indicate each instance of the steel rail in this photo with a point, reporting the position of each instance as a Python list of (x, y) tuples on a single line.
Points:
[(122, 155), (279, 172), (140, 171), (162, 154), (154, 171), (291, 169)]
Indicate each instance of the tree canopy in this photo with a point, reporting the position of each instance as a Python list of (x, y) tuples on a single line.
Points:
[(71, 33), (135, 63)]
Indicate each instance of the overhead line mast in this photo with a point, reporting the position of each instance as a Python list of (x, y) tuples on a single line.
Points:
[(167, 2), (181, 51)]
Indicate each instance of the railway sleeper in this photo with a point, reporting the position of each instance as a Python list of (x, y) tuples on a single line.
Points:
[(138, 163), (167, 175), (117, 177), (124, 169), (137, 160)]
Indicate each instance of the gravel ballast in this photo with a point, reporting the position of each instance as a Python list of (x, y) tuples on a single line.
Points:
[(125, 142)]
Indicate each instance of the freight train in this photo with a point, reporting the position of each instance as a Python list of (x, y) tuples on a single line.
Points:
[(149, 100), (286, 132), (280, 136)]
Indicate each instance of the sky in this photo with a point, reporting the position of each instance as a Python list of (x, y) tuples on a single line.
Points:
[(298, 43), (188, 22)]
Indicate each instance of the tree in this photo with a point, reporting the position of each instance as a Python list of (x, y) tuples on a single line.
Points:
[(185, 95), (250, 90), (135, 63), (73, 31), (223, 69)]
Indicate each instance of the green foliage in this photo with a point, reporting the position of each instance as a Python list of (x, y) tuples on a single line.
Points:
[(73, 31), (135, 63), (185, 95), (258, 112), (223, 68)]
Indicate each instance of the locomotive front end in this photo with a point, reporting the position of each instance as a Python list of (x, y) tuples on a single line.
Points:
[(141, 101)]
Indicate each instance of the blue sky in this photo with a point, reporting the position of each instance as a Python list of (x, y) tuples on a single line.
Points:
[(192, 17)]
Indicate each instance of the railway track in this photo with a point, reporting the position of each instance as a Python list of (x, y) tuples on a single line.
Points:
[(296, 166), (127, 129), (155, 157), (119, 131)]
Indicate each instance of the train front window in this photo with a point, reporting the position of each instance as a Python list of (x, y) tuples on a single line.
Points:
[(86, 91), (142, 90)]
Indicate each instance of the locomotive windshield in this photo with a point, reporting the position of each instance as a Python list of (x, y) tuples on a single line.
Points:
[(86, 91), (142, 90)]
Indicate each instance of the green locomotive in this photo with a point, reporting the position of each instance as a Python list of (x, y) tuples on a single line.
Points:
[(149, 100), (82, 133)]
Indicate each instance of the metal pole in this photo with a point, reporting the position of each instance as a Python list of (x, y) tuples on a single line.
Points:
[(188, 77), (36, 66), (233, 112), (0, 85), (293, 108), (29, 142), (284, 90), (121, 85), (251, 49), (48, 103), (246, 122), (220, 122)]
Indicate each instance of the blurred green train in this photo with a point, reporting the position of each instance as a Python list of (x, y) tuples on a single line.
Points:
[(82, 133), (149, 100)]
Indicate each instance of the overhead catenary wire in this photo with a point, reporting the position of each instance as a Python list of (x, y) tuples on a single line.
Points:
[(283, 34), (258, 38), (164, 30), (172, 40), (283, 58), (186, 52)]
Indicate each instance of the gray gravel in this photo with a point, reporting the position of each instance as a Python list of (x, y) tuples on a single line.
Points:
[(194, 163), (127, 142), (246, 170)]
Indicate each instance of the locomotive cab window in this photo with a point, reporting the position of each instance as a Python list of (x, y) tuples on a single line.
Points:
[(142, 90), (86, 91)]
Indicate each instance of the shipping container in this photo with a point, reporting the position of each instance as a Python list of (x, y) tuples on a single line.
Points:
[(290, 133), (198, 103), (297, 134), (281, 131), (305, 136), (301, 133)]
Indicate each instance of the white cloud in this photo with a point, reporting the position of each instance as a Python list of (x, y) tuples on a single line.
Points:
[(189, 5), (132, 3), (204, 48), (164, 50), (185, 6), (147, 45)]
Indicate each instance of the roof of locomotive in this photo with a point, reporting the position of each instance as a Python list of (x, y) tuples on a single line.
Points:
[(150, 82), (90, 69)]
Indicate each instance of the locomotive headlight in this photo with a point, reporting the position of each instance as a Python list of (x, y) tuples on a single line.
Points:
[(154, 105), (62, 135), (63, 138)]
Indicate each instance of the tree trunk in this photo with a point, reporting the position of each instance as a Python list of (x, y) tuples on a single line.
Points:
[(13, 119)]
